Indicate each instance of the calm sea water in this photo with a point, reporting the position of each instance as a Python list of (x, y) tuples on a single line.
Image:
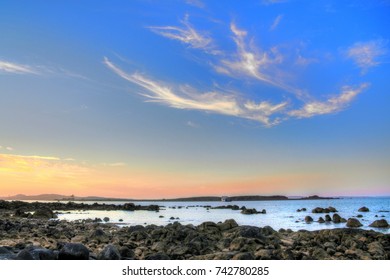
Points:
[(280, 214)]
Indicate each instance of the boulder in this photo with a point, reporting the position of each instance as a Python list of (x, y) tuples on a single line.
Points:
[(228, 224), (249, 211), (321, 220), (110, 252), (353, 223), (24, 255), (243, 256), (106, 219), (380, 224), (99, 235), (157, 256), (44, 213), (73, 251), (364, 209), (336, 218), (328, 218), (308, 219)]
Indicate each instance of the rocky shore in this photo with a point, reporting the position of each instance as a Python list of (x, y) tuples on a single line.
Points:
[(42, 238)]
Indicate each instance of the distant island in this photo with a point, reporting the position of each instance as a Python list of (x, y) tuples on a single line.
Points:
[(58, 197)]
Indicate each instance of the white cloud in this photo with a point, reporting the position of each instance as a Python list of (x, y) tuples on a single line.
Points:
[(331, 105), (187, 35), (196, 3), (117, 164), (185, 97), (276, 22), (192, 124), (9, 148), (367, 54), (15, 68), (249, 61)]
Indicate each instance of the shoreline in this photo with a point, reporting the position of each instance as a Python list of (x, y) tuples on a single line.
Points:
[(38, 236)]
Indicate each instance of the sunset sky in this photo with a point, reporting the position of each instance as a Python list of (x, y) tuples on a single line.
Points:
[(161, 99)]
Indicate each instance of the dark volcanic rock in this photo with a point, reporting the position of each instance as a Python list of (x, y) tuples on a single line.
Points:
[(157, 256), (110, 252), (308, 219), (43, 254), (364, 209), (352, 223), (328, 218), (336, 218), (74, 251), (228, 224), (24, 255), (44, 213), (380, 224), (321, 220)]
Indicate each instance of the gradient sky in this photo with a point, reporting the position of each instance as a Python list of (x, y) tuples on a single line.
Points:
[(152, 99)]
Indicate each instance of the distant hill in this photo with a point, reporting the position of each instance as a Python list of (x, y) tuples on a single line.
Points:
[(197, 198)]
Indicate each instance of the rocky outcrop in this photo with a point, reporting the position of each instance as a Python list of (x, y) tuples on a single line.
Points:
[(353, 223), (364, 209), (380, 224)]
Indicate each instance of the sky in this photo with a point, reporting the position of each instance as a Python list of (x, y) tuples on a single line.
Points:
[(162, 99)]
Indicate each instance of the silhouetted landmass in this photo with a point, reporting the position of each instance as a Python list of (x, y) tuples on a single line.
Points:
[(58, 197)]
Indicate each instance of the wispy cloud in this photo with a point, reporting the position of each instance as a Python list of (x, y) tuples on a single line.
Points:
[(331, 105), (192, 124), (276, 22), (196, 3), (188, 35), (15, 68), (367, 54), (250, 61), (185, 97)]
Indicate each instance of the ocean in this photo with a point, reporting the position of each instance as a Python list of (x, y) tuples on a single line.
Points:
[(280, 214)]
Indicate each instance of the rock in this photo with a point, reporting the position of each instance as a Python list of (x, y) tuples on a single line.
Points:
[(74, 251), (336, 218), (353, 223), (328, 218), (321, 220), (308, 219), (318, 210), (126, 252), (44, 213), (228, 224), (380, 224), (332, 209), (250, 232), (320, 254), (161, 216), (43, 254), (99, 235), (110, 252), (359, 216), (172, 218), (364, 209), (376, 249), (243, 256), (249, 211), (106, 219), (157, 256), (24, 255), (120, 220)]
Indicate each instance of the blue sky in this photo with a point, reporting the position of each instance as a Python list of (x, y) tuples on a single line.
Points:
[(153, 99)]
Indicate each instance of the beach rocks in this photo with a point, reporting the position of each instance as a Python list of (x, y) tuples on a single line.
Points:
[(328, 218), (380, 224), (336, 218), (364, 209), (44, 213), (73, 251), (110, 252), (353, 223), (106, 219), (308, 219), (302, 210), (246, 211), (321, 220), (228, 224), (324, 210)]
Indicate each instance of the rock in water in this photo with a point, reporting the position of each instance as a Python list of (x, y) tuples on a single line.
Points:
[(364, 209), (353, 223), (74, 251), (321, 220), (110, 252), (328, 218), (106, 219), (308, 219), (336, 218), (380, 224)]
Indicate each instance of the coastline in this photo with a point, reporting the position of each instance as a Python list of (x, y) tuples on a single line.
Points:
[(39, 237)]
